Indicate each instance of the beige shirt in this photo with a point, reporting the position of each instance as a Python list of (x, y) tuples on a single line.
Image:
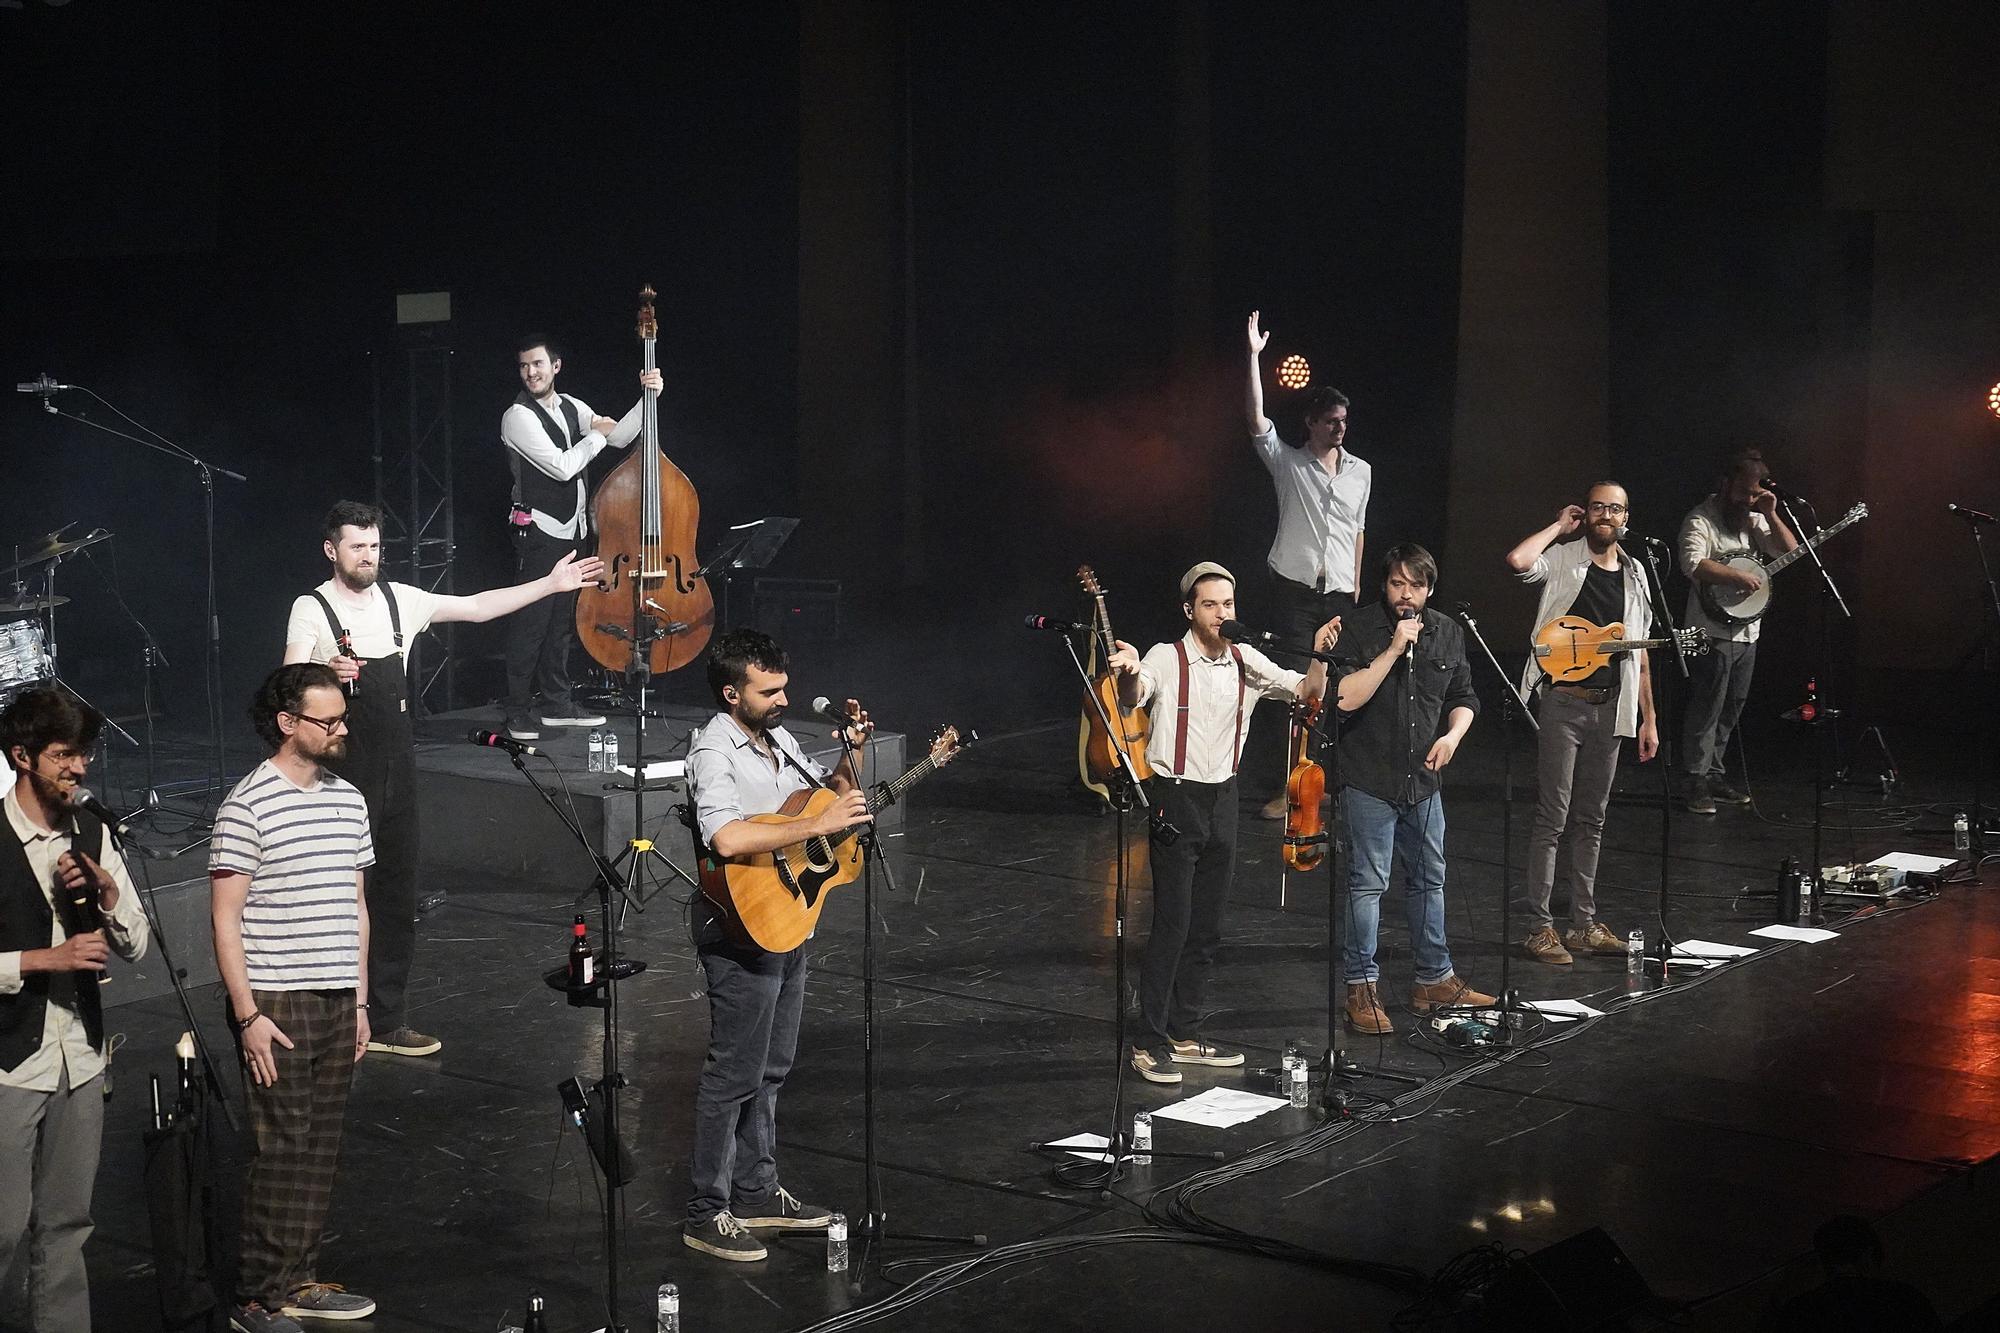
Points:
[(1215, 731), (64, 1042), (1707, 535)]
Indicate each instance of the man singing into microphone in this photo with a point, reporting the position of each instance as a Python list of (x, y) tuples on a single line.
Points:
[(362, 627), (1581, 721), (1739, 518), (1200, 690), (1406, 699), (51, 1016), (742, 762)]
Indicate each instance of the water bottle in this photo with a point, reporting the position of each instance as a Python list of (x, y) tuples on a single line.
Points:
[(1142, 1138), (1299, 1090), (1961, 834), (1635, 953), (836, 1243), (1292, 1057), (596, 752), (610, 752), (670, 1309), (537, 1321)]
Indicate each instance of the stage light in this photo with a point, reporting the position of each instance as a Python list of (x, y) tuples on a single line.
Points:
[(1294, 373), (1992, 398)]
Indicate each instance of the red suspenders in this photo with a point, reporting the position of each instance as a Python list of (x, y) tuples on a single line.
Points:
[(1182, 705)]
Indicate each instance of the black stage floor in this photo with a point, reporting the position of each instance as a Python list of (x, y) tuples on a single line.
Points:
[(1708, 1129)]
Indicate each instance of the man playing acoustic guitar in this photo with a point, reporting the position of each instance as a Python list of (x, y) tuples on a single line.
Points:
[(1582, 721), (743, 763)]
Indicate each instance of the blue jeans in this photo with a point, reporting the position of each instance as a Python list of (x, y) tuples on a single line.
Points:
[(1413, 835)]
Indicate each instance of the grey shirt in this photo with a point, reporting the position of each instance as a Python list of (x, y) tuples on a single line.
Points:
[(730, 777)]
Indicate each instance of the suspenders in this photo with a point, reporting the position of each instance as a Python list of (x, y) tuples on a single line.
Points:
[(339, 631), (1183, 704)]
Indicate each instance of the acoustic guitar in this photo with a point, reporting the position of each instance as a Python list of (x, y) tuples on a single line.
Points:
[(772, 900), (1740, 606), (1135, 724), (1569, 648)]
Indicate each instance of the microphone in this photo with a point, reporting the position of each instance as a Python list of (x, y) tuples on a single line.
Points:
[(824, 709), (83, 798), (500, 742), (1970, 515), (1778, 490), (1053, 625), (1237, 632), (1410, 653), (43, 384)]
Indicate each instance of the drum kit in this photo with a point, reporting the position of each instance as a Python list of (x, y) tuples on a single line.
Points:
[(28, 611)]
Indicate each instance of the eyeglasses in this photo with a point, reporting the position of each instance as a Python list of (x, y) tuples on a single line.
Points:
[(1599, 507), (326, 723)]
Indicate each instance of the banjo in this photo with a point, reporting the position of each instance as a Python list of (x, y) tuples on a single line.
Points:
[(1741, 606)]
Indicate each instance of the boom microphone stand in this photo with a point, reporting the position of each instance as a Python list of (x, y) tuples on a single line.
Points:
[(1663, 708), (1826, 721), (1981, 655), (1511, 707)]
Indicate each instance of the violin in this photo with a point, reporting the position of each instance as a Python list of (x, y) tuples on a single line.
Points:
[(1305, 829), (653, 595)]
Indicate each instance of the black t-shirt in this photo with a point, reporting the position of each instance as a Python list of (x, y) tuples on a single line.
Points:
[(1601, 601)]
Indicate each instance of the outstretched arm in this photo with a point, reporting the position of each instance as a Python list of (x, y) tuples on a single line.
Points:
[(1254, 402), (569, 574)]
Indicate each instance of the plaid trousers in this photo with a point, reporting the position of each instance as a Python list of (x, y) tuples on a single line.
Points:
[(295, 1124)]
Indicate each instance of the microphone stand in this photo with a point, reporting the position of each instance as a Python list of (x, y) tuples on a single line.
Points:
[(1663, 706), (1826, 722), (1981, 651), (1511, 706), (1124, 795), (212, 668)]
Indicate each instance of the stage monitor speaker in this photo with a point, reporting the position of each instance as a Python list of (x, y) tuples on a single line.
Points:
[(1582, 1283)]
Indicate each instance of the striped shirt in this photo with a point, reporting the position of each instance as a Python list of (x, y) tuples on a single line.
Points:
[(302, 849)]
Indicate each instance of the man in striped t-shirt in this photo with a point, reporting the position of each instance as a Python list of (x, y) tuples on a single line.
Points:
[(291, 942)]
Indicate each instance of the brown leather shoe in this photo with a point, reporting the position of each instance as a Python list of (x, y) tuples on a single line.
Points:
[(1364, 1009), (1544, 947), (1275, 808), (1599, 938), (1450, 991)]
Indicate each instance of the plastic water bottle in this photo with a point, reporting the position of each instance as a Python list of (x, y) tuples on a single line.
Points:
[(670, 1309), (1961, 833), (1299, 1090), (610, 752), (1142, 1138), (1635, 953), (1292, 1057), (597, 752), (836, 1243)]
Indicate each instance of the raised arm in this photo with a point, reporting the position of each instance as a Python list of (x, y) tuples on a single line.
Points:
[(1253, 404), (1358, 687), (569, 574), (1523, 557)]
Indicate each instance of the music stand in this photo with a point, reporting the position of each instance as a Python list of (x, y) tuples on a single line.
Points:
[(753, 545)]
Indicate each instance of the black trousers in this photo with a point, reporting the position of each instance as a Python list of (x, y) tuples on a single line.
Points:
[(1297, 611), (381, 762), (1191, 881), (539, 635)]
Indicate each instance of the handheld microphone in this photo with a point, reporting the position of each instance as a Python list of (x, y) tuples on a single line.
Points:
[(1053, 625), (83, 798), (1969, 515), (1410, 653), (43, 384), (824, 709), (499, 742)]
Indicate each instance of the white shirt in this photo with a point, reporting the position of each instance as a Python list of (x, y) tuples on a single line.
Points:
[(366, 620), (731, 776), (64, 1042), (523, 433), (1706, 534), (1321, 515), (1561, 571), (1215, 731)]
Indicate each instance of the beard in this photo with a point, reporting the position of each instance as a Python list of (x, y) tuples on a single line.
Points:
[(361, 580)]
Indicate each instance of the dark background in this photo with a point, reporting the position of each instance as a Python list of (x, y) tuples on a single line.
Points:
[(209, 211)]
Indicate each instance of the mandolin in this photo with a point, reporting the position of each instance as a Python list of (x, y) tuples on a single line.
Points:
[(772, 900), (1741, 606), (1135, 725), (1570, 648)]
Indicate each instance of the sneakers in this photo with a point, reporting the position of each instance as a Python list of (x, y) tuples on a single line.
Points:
[(1700, 799), (1724, 794), (569, 715), (404, 1041), (725, 1238), (254, 1318), (1544, 947), (1364, 1009), (1599, 938), (1198, 1052), (521, 727), (784, 1211), (1155, 1066), (1447, 994), (327, 1300)]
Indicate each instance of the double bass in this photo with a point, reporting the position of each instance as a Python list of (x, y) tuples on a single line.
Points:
[(646, 512)]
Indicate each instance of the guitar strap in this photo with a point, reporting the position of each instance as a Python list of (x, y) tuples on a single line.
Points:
[(802, 770), (1182, 705)]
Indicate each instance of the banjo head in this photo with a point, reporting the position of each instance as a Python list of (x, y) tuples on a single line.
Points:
[(1739, 603)]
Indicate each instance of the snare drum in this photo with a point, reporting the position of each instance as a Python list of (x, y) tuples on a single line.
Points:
[(24, 657)]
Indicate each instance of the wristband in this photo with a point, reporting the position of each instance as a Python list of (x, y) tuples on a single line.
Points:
[(243, 1024)]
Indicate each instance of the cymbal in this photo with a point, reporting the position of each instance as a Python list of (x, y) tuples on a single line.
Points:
[(50, 549), (13, 608)]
